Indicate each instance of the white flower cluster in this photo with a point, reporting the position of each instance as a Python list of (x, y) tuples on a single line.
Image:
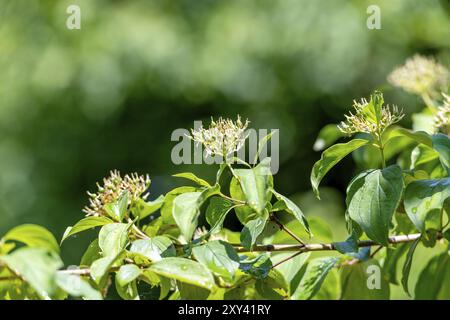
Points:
[(364, 119), (442, 116), (223, 137), (112, 188), (420, 75)]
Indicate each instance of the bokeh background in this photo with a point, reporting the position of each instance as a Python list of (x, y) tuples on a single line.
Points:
[(75, 104)]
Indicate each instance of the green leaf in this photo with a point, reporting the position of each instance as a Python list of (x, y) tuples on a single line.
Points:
[(262, 143), (192, 292), (184, 270), (76, 286), (155, 248), (5, 248), (417, 136), (407, 265), (92, 253), (244, 213), (292, 208), (327, 136), (143, 209), (193, 177), (350, 248), (128, 291), (357, 281), (85, 224), (258, 266), (113, 238), (219, 257), (393, 255), (127, 273), (167, 207), (37, 266), (315, 274), (431, 277), (101, 267), (330, 157), (186, 209), (441, 143), (274, 287), (118, 208), (251, 231), (33, 236), (423, 196), (216, 212), (372, 198), (256, 184), (290, 269)]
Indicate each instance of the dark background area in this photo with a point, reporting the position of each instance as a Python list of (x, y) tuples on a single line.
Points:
[(75, 104)]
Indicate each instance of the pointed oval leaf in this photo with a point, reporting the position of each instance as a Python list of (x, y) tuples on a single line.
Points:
[(330, 157), (101, 267), (33, 236), (219, 257), (441, 143), (167, 207), (37, 266), (431, 277), (313, 278), (85, 224), (184, 270), (118, 208), (186, 209), (77, 287), (193, 177), (142, 208), (256, 184), (373, 197), (423, 196), (407, 265), (252, 230), (113, 238), (364, 281), (127, 273), (327, 136), (216, 212), (293, 209), (155, 248)]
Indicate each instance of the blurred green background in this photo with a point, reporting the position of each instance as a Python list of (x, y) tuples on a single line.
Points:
[(75, 104)]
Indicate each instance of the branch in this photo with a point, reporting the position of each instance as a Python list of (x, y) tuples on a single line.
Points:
[(285, 229), (298, 248), (325, 246)]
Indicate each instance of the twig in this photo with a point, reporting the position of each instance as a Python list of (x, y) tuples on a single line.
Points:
[(286, 259), (324, 246), (285, 229), (298, 248), (376, 251), (233, 200)]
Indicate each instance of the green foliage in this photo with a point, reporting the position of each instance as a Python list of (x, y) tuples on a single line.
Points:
[(330, 157), (424, 196), (313, 278), (33, 236), (178, 245), (372, 198)]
